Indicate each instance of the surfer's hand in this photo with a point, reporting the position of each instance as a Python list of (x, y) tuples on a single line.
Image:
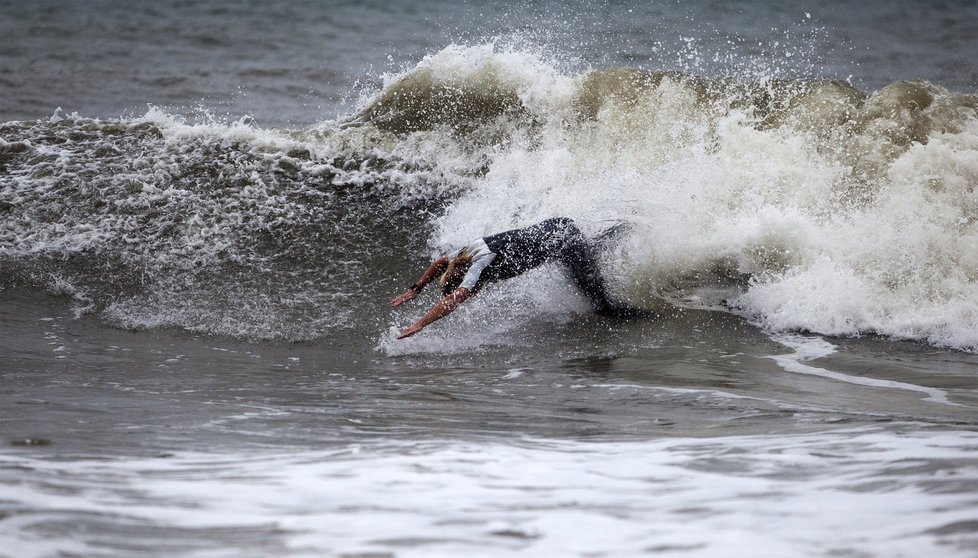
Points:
[(410, 331), (401, 299)]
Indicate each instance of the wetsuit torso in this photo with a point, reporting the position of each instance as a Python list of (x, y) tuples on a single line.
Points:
[(508, 254)]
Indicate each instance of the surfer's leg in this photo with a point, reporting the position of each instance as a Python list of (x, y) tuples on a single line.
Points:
[(581, 260), (558, 239)]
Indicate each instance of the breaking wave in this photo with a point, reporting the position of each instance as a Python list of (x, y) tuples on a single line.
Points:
[(802, 204)]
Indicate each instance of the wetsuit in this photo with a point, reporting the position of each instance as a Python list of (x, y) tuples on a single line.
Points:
[(511, 253)]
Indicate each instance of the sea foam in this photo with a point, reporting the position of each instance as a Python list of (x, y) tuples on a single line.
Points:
[(817, 207), (805, 205)]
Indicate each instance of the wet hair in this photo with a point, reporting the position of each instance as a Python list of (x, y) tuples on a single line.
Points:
[(453, 275)]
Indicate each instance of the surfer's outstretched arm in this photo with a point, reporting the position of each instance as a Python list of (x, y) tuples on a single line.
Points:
[(444, 307), (434, 270)]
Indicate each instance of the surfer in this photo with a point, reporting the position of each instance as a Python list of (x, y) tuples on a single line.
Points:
[(463, 272)]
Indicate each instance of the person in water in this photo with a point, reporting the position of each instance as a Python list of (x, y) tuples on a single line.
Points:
[(466, 270)]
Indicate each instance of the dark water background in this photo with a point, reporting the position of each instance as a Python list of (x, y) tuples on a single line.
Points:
[(298, 63)]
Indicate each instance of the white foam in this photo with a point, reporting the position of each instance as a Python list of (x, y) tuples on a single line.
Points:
[(848, 216), (813, 348), (865, 492), (842, 230)]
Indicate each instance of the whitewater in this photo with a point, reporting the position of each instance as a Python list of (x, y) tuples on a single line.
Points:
[(805, 206)]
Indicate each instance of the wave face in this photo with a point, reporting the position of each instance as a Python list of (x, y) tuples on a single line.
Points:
[(805, 205)]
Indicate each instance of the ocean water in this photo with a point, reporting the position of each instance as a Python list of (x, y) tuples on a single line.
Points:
[(205, 208)]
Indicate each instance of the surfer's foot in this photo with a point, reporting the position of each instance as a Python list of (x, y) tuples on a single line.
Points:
[(612, 235)]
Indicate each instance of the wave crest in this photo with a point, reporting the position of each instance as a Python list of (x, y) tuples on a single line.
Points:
[(806, 205)]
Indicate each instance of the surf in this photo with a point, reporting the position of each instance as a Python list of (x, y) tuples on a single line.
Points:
[(800, 204)]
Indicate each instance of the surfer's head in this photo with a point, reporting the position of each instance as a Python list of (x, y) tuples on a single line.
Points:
[(455, 272)]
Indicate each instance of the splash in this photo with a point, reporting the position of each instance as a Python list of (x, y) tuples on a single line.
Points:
[(806, 205)]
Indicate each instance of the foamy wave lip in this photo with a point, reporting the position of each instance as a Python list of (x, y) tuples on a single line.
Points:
[(177, 128), (462, 86), (535, 79)]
